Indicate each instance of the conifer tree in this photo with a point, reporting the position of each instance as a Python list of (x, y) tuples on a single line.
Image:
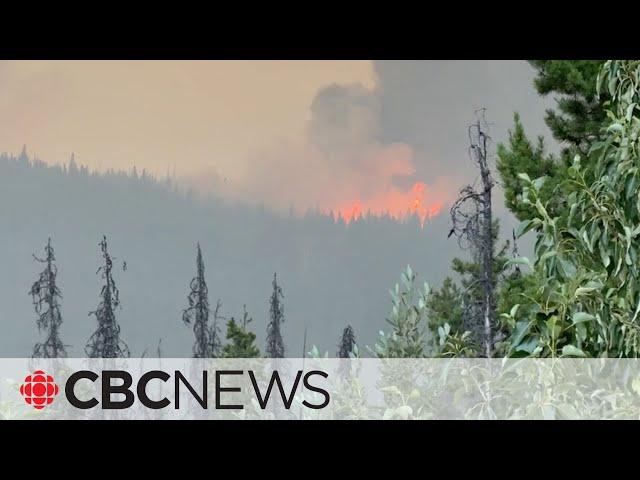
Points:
[(578, 119), (446, 306), (197, 313), (347, 343), (575, 123), (242, 339), (275, 344), (105, 341), (46, 299)]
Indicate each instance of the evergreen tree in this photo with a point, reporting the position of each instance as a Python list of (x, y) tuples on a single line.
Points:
[(580, 113), (106, 341), (275, 344), (445, 306), (576, 124), (347, 345), (73, 167), (521, 155), (197, 313), (242, 339), (46, 299)]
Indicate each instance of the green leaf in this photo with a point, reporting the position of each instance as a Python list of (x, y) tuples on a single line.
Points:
[(604, 255), (529, 346), (525, 177), (580, 317), (567, 268), (572, 351), (520, 261), (630, 109), (616, 127), (580, 291), (538, 182), (522, 328), (524, 227), (549, 254)]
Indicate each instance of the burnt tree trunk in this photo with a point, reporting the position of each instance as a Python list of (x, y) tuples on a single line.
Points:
[(486, 239), (472, 219)]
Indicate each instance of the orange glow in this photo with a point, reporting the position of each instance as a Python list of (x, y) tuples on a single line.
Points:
[(395, 203)]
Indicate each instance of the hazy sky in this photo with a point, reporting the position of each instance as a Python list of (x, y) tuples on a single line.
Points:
[(331, 134), (158, 114)]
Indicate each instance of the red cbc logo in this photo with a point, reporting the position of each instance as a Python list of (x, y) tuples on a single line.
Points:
[(39, 389)]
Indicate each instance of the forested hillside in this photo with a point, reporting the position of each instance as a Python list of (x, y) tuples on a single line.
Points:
[(331, 274)]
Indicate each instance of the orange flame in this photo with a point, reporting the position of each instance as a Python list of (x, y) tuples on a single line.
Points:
[(395, 203)]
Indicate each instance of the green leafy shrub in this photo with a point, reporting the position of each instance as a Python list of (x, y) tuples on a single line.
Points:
[(586, 296)]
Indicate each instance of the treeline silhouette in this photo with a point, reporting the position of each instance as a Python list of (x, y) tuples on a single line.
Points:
[(334, 274)]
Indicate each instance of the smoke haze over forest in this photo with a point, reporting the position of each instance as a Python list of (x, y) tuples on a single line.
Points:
[(384, 136), (331, 274), (326, 134)]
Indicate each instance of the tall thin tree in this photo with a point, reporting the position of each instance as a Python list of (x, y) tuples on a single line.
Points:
[(472, 219), (215, 334), (275, 344), (46, 300), (347, 342), (105, 341), (197, 313)]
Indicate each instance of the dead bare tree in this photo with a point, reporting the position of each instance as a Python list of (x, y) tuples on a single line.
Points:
[(472, 219), (214, 333), (197, 313), (105, 341), (46, 295)]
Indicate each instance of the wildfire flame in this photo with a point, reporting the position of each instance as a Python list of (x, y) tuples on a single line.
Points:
[(395, 203)]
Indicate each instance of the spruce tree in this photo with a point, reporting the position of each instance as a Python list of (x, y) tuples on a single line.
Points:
[(242, 339), (275, 344), (105, 341), (576, 123), (197, 313), (580, 113), (347, 343), (46, 299), (446, 306)]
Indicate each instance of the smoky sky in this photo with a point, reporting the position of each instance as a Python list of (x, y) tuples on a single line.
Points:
[(372, 143), (430, 104), (301, 135)]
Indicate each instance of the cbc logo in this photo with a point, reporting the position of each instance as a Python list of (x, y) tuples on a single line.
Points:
[(39, 389)]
